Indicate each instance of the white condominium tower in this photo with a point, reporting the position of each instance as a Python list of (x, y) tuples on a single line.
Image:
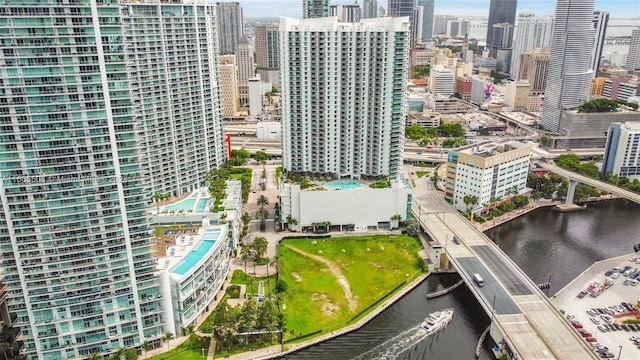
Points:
[(343, 96), (533, 32), (569, 76), (101, 103)]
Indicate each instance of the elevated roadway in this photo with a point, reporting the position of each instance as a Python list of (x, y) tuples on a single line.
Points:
[(631, 196), (521, 314)]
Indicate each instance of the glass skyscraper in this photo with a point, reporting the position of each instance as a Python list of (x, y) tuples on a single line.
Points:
[(101, 104)]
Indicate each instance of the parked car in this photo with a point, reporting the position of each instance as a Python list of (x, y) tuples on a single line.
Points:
[(602, 328), (594, 320), (615, 275), (582, 294), (577, 325), (608, 272), (586, 334), (591, 339)]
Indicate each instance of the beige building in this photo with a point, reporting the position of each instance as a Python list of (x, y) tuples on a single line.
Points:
[(516, 95), (228, 85), (246, 71), (268, 53), (533, 68), (597, 86), (535, 103)]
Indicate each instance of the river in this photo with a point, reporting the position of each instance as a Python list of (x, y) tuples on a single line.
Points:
[(542, 242)]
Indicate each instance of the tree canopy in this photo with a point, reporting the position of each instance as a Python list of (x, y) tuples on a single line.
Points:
[(604, 105)]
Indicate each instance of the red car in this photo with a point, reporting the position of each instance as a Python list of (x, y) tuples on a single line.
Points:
[(592, 339), (577, 325), (586, 334)]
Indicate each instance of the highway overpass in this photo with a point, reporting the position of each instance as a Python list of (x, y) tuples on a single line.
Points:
[(521, 314), (577, 178)]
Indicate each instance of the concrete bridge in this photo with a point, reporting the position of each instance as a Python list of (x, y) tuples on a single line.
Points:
[(575, 179), (520, 313)]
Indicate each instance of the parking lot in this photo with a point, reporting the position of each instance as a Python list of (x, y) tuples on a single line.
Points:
[(607, 310)]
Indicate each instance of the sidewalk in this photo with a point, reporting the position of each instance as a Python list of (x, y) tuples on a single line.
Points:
[(489, 224)]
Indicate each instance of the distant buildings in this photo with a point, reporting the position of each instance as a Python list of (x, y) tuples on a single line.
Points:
[(244, 59), (229, 85), (533, 67), (350, 124), (464, 86), (268, 53), (600, 22), (588, 130), (369, 9), (230, 26), (481, 89), (487, 171), (533, 32), (621, 88), (427, 18), (503, 14), (440, 23), (255, 96), (441, 81), (569, 74), (633, 58), (315, 9), (516, 95), (346, 13), (622, 150)]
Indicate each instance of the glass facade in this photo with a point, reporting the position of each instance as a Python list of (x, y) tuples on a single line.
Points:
[(85, 112)]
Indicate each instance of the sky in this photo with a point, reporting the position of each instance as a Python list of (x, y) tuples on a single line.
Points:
[(293, 8)]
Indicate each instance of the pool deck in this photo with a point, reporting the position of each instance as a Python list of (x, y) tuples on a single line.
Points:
[(183, 245), (196, 196)]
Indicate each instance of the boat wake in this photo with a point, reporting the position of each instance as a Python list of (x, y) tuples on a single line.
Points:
[(392, 348)]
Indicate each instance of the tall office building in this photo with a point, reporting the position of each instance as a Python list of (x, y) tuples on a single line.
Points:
[(441, 22), (457, 28), (622, 152), (91, 97), (344, 102), (267, 53), (427, 18), (533, 67), (315, 8), (600, 21), (346, 13), (229, 85), (569, 75), (230, 26), (533, 32), (369, 9), (633, 58), (441, 81), (244, 59), (500, 12), (400, 8)]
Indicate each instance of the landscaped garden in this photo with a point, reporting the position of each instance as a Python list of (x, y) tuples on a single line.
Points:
[(331, 282), (191, 349)]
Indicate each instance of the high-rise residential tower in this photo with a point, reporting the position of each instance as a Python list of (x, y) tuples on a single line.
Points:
[(621, 152), (369, 9), (93, 93), (230, 26), (343, 96), (533, 32), (315, 8), (427, 18), (633, 59), (244, 59), (569, 75), (346, 13), (500, 12), (267, 53), (600, 22)]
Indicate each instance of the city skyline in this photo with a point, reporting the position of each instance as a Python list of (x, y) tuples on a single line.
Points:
[(469, 8)]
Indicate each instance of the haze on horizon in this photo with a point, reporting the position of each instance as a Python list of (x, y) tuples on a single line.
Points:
[(468, 8)]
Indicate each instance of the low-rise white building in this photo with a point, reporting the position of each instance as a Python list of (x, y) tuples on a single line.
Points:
[(346, 204), (270, 130), (255, 96), (488, 171), (622, 150), (192, 274)]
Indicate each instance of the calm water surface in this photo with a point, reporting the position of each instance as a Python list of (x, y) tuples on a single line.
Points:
[(542, 242)]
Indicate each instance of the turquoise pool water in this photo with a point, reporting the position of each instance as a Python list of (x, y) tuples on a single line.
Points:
[(193, 257), (186, 204), (202, 204), (344, 185)]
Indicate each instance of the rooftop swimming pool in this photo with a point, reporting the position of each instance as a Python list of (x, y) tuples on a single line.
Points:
[(186, 204), (339, 185), (202, 205), (193, 257)]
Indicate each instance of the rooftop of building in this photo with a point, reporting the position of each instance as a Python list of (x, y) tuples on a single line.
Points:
[(190, 247), (349, 185), (491, 148)]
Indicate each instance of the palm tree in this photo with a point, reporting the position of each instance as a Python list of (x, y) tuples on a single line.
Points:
[(167, 337), (263, 201), (146, 346), (119, 353), (95, 356), (3, 348), (291, 221), (157, 197), (245, 257), (267, 261), (275, 262), (262, 214)]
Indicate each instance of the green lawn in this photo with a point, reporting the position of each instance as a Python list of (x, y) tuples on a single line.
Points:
[(314, 299), (189, 350), (420, 174)]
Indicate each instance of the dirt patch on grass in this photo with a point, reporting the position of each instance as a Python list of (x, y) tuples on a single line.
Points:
[(335, 271), (329, 309), (296, 276)]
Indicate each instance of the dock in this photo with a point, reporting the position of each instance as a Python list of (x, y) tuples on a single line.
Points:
[(445, 291), (481, 340)]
